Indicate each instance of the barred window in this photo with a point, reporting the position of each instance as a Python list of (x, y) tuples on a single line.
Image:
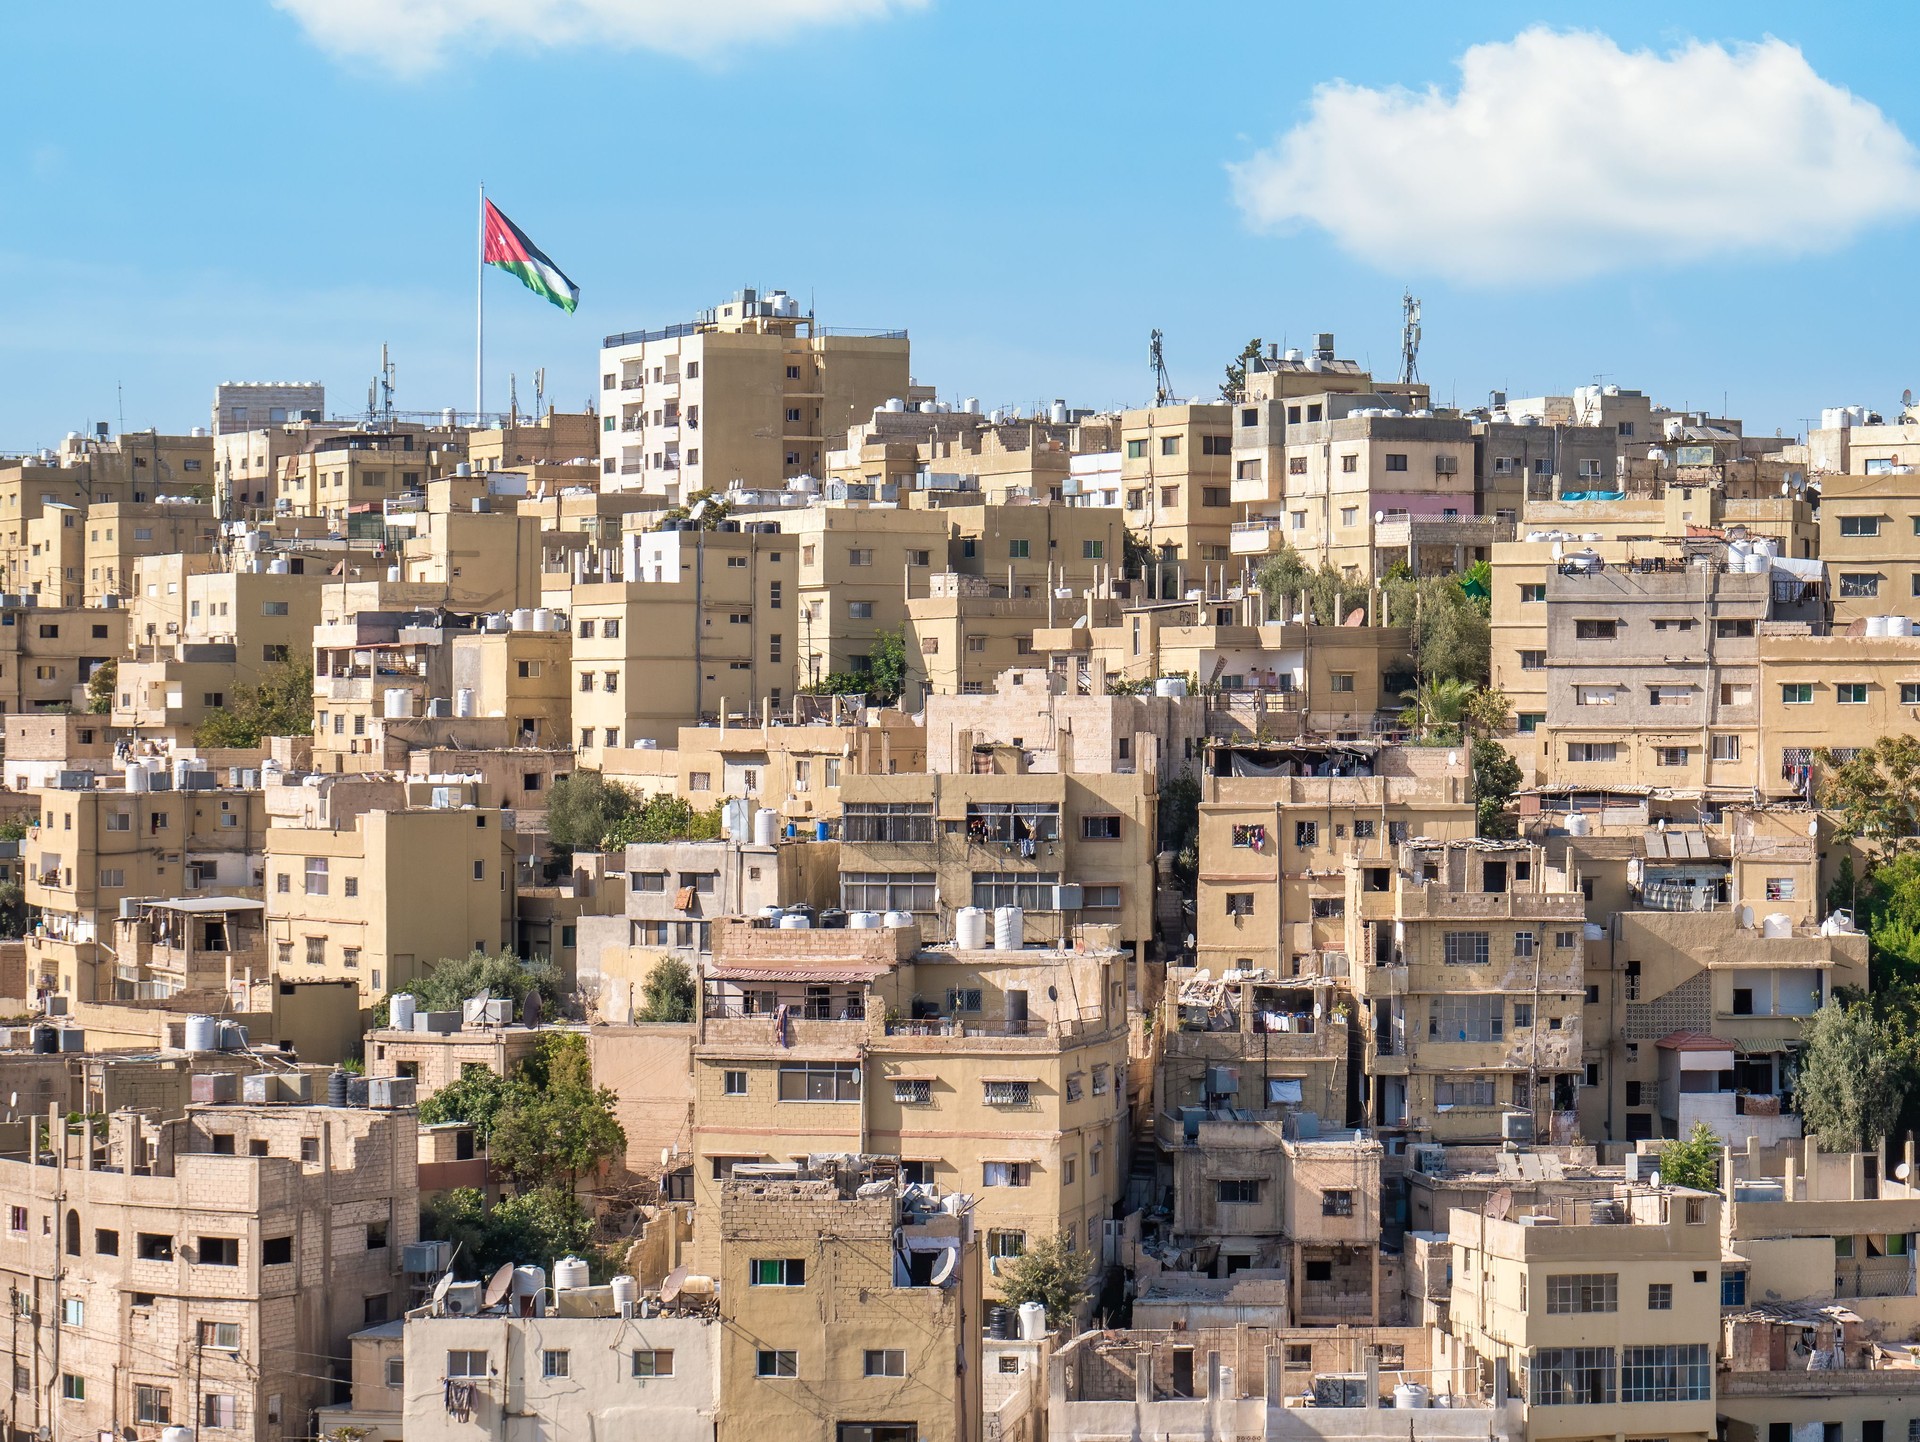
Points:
[(1673, 1372), (1583, 1292), (1467, 1018), (913, 1091), (887, 890), (886, 821), (1237, 1189), (1464, 948), (1007, 823), (1012, 888), (1571, 1376), (1008, 1093)]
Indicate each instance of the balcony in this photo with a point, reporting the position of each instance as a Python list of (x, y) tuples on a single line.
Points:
[(629, 468), (1873, 1277), (1254, 538)]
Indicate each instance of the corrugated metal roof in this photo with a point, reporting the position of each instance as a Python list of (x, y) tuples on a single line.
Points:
[(795, 973)]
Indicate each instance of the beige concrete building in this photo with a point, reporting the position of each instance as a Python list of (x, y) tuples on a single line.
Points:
[(203, 1270), (1001, 1072), (47, 655), (846, 1315), (1868, 524), (1840, 691), (857, 567), (384, 899), (468, 535), (552, 439), (1032, 711), (120, 535), (1467, 970), (750, 389), (360, 470), (1176, 470)]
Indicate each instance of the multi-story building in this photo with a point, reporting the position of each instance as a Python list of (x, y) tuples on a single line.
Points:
[(856, 568), (1062, 847), (706, 623), (1467, 968), (1001, 1072), (1291, 389), (554, 438), (379, 902), (1176, 472), (47, 655), (1867, 527), (750, 389), (360, 470), (202, 1270), (252, 405), (467, 535), (850, 1310), (1835, 691), (121, 534), (1033, 712), (1600, 1315)]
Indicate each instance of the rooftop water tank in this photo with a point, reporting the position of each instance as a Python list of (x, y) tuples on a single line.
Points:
[(795, 921), (970, 929), (898, 919), (203, 1033), (1777, 924), (863, 921), (1409, 1397), (1009, 928), (1174, 686), (570, 1274), (400, 1011), (1033, 1321), (626, 1292), (397, 701), (766, 824), (1876, 625)]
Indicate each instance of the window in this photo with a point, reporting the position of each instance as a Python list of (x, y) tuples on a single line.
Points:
[(1467, 1092), (1306, 833), (1340, 681), (1592, 750), (913, 1091), (1011, 888), (885, 1362), (860, 610), (1336, 1204), (1859, 525), (1237, 1190), (1571, 1376), (217, 1251), (657, 1362), (276, 1251), (1726, 748), (1733, 1288), (1674, 1372), (1670, 756), (1533, 660), (733, 1084), (1099, 828), (1733, 630), (1796, 693), (1859, 584), (1850, 693), (466, 1364), (777, 1364), (1780, 888), (1467, 1018), (106, 1242), (1595, 630), (73, 1312), (220, 1336), (148, 1246), (1008, 1093), (1006, 1174), (1533, 591), (1660, 1296), (887, 890), (820, 1082), (73, 1388), (1583, 1292), (1239, 903), (1396, 461), (316, 878), (1169, 445), (220, 1409), (1349, 464), (556, 1364), (1910, 693), (1464, 948), (152, 1406)]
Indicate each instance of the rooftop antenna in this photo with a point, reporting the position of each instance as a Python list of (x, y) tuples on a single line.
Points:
[(540, 392), (513, 398), (1409, 338), (1162, 382), (120, 398), (380, 391)]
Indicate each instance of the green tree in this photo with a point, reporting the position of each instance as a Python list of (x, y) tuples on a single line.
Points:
[(583, 807), (13, 911), (534, 1226), (1853, 1071), (498, 974), (662, 817), (554, 1121), (668, 993), (1283, 579), (1876, 792), (281, 704), (1496, 776), (1487, 712), (1234, 387), (887, 668), (1452, 635), (1694, 1162), (1050, 1273), (1436, 705), (101, 686), (474, 1098), (1180, 828)]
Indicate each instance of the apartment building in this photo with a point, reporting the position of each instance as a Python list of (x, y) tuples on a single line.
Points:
[(380, 901), (467, 534), (199, 1270), (266, 616), (1279, 824), (39, 747), (1868, 524), (750, 388), (47, 654), (569, 1355), (553, 438), (1521, 460), (241, 405), (794, 764), (360, 470), (1467, 972), (964, 632), (1000, 1072), (1285, 390), (857, 567), (1600, 1315), (1032, 711), (850, 1309), (1064, 848), (56, 555), (1839, 691), (121, 534), (1176, 473), (705, 624)]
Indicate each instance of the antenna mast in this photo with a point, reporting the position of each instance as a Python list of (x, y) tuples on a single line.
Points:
[(1162, 382), (1409, 338), (513, 399), (540, 392)]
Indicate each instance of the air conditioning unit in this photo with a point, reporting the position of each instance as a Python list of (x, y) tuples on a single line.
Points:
[(1516, 1126), (1069, 897)]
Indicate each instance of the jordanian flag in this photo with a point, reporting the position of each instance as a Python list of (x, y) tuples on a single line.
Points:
[(506, 245)]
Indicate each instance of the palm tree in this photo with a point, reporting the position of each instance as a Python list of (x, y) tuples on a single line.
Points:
[(1437, 704)]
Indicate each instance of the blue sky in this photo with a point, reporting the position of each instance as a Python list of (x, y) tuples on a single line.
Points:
[(203, 192)]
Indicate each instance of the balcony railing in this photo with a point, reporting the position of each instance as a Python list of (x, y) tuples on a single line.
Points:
[(1873, 1277)]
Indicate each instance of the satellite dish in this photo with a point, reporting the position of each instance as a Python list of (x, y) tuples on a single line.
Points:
[(943, 1270), (1906, 396), (670, 1288), (1499, 1204), (666, 1158), (440, 1289), (1903, 1171), (497, 1287)]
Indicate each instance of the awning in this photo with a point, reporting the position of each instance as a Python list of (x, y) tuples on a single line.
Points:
[(816, 974)]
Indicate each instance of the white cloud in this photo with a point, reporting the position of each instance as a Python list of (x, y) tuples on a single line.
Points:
[(1561, 155), (410, 36)]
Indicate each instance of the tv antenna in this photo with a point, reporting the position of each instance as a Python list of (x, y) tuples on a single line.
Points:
[(380, 391), (1409, 338), (1162, 382), (513, 399), (540, 392)]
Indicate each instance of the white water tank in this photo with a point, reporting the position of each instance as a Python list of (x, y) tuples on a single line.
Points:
[(523, 619), (1876, 625), (1899, 625), (570, 1274), (1577, 824), (203, 1033), (1409, 1397), (176, 1434), (1033, 1321), (397, 701), (795, 921), (543, 619), (1009, 928), (863, 921), (766, 825), (1777, 924), (970, 929), (138, 778), (1170, 686), (626, 1291), (400, 1011), (463, 702), (898, 919), (772, 913)]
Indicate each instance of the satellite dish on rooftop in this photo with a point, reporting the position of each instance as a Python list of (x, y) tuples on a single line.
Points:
[(1906, 396), (1499, 1204), (497, 1287), (440, 1289), (943, 1269), (670, 1288)]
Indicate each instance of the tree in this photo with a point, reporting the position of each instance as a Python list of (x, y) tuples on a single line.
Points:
[(474, 1098), (1435, 706), (554, 1121), (1234, 387), (1853, 1069), (1050, 1273), (1282, 579), (583, 807), (13, 910), (887, 668), (662, 817), (541, 1224), (668, 992), (1180, 828), (1694, 1162), (101, 686), (1452, 635), (281, 704), (1487, 712), (1876, 791), (453, 979), (1496, 776)]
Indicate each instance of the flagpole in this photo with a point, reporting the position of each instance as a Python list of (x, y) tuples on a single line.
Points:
[(480, 317)]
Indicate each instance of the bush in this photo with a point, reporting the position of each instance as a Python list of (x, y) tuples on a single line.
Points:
[(669, 992), (582, 808), (280, 705), (1048, 1273)]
